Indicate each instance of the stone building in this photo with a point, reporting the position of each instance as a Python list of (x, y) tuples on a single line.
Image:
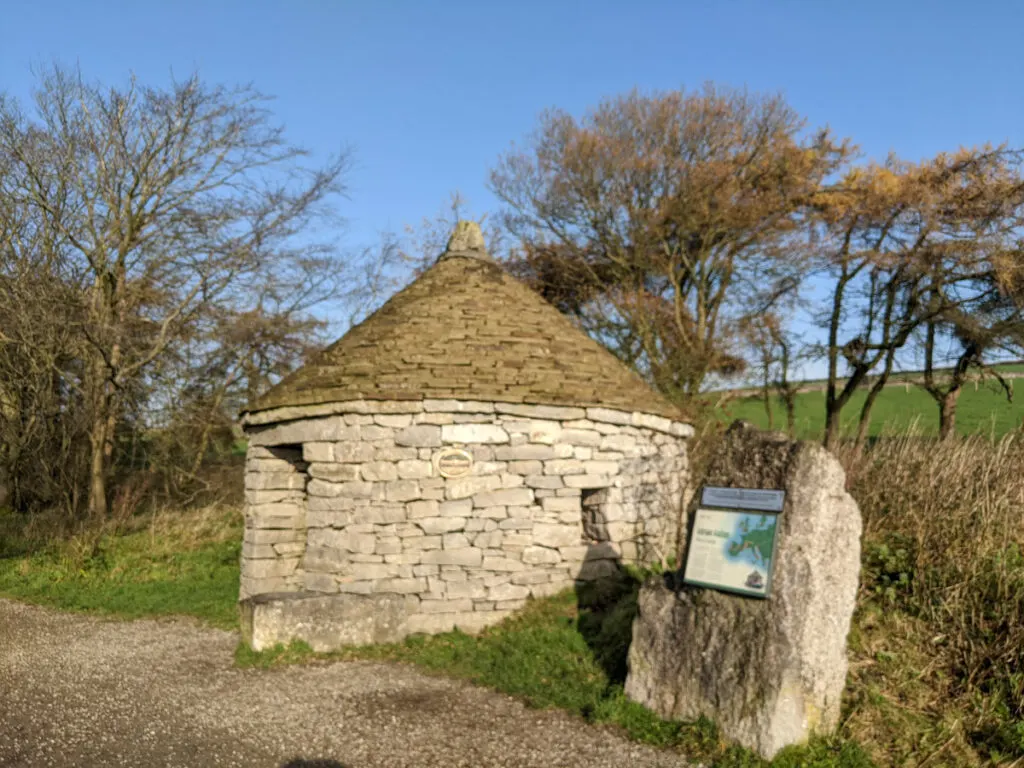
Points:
[(463, 449)]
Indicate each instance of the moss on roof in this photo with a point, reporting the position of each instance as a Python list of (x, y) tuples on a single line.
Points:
[(465, 329)]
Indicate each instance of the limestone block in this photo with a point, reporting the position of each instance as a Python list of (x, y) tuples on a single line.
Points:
[(621, 443), (390, 545), (547, 482), (516, 524), (419, 436), (325, 622), (457, 406), (252, 551), (588, 481), (545, 432), (473, 433), (504, 497), (264, 536), (352, 490), (379, 470), (526, 452), (269, 569), (455, 508), (488, 539), (271, 465), (563, 467), (382, 513), (525, 467), (561, 504), (552, 412), (414, 469), (474, 589), (401, 586), (609, 416), (271, 496), (769, 672), (554, 536), (530, 578), (508, 592), (470, 556), (504, 563), (353, 419), (335, 473), (421, 543), (423, 508), (582, 453), (461, 487), (581, 437), (401, 490), (534, 555), (353, 452), (454, 540), (324, 429), (393, 453), (396, 420), (274, 481), (318, 452), (650, 421), (440, 525), (320, 582), (681, 430)]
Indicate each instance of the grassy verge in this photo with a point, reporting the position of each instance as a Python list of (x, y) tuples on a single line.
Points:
[(175, 565)]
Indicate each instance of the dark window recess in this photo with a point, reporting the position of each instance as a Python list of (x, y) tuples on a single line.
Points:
[(593, 502)]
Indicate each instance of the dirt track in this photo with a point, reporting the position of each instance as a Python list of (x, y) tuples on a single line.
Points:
[(77, 691)]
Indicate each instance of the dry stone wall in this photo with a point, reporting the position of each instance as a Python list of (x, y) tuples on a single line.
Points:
[(554, 494)]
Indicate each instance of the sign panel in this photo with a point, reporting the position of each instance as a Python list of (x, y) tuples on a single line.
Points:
[(732, 547), (743, 498), (453, 462)]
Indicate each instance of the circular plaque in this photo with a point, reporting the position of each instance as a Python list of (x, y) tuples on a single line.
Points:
[(453, 462)]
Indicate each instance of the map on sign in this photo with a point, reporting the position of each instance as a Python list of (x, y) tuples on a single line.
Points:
[(732, 549)]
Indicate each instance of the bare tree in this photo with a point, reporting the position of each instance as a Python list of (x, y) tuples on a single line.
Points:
[(166, 204)]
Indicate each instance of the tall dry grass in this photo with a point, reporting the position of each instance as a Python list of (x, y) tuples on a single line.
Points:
[(943, 542)]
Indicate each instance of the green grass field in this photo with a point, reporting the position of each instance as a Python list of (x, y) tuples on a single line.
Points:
[(984, 410)]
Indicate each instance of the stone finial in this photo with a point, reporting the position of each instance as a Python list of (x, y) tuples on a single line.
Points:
[(467, 240)]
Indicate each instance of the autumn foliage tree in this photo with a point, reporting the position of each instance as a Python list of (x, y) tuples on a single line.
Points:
[(912, 246), (661, 221)]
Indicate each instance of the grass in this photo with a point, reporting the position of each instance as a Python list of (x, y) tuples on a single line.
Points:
[(897, 409), (174, 566)]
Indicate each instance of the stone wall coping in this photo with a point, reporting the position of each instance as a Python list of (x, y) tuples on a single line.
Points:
[(543, 411)]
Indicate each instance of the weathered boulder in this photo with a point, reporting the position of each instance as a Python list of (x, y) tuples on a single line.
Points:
[(769, 672)]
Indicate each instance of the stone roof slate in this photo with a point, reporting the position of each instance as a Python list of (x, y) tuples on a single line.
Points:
[(465, 329)]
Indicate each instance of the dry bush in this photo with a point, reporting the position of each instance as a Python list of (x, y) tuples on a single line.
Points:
[(943, 542)]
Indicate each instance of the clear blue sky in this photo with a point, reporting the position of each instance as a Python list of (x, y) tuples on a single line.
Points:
[(428, 94)]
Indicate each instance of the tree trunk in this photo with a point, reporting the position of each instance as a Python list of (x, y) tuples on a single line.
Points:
[(98, 469), (832, 413), (947, 413)]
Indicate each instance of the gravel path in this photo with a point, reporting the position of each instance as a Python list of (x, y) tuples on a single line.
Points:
[(78, 691)]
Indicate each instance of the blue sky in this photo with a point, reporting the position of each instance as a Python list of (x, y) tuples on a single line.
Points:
[(427, 95)]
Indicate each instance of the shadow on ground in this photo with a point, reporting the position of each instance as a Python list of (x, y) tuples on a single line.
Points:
[(607, 608), (299, 762)]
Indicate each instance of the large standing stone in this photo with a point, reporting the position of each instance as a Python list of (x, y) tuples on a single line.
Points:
[(769, 672)]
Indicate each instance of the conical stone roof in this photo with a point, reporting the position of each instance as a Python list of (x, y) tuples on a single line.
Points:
[(467, 330)]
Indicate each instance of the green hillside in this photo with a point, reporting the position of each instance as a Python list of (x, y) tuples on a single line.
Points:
[(982, 410)]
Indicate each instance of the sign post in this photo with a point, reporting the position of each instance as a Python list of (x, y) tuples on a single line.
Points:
[(732, 540)]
